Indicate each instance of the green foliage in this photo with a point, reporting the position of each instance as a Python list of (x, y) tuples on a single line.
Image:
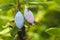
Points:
[(47, 19), (14, 31)]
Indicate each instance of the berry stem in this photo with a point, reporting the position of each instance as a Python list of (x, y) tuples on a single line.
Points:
[(18, 5)]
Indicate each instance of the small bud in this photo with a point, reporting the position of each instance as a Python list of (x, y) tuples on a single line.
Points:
[(19, 19), (29, 16)]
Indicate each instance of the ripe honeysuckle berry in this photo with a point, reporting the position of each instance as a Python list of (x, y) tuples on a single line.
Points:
[(19, 19), (29, 16)]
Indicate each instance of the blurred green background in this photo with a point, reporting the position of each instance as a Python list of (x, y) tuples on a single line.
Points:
[(47, 19)]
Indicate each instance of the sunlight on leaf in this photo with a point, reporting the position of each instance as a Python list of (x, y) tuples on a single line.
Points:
[(5, 31), (39, 15)]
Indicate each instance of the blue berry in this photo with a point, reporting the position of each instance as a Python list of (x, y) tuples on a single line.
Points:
[(19, 19)]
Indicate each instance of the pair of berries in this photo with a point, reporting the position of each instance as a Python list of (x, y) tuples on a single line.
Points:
[(19, 18)]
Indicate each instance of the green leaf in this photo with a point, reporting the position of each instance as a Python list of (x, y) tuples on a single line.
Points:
[(7, 1), (14, 31), (53, 31), (6, 6), (5, 37)]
